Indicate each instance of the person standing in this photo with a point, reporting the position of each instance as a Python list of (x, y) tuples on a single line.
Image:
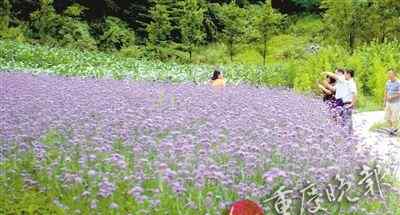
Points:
[(392, 101), (349, 99)]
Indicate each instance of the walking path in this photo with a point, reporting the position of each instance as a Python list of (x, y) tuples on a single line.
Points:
[(384, 147)]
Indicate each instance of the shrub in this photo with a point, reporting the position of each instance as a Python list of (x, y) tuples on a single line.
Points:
[(116, 35), (287, 47), (5, 8), (14, 33), (371, 63), (310, 69), (131, 52), (65, 30), (309, 26)]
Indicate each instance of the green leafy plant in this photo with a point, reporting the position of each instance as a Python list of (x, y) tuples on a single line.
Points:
[(159, 29), (116, 35), (266, 22), (5, 13), (63, 30), (191, 26), (234, 21)]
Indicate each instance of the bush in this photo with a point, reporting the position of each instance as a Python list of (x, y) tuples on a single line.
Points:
[(310, 69), (61, 30), (284, 47), (372, 63), (116, 35), (131, 52), (5, 8), (15, 33)]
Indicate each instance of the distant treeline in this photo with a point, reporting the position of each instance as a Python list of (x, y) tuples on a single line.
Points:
[(163, 28)]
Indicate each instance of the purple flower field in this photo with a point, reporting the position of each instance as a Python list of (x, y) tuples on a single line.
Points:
[(121, 144)]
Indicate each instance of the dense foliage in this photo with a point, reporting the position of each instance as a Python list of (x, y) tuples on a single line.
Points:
[(104, 145), (163, 23)]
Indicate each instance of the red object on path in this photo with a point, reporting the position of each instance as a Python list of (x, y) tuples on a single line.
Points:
[(245, 207)]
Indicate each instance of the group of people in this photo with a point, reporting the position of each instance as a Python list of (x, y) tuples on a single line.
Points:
[(340, 94)]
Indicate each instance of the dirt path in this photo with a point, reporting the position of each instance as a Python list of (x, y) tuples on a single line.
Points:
[(384, 147)]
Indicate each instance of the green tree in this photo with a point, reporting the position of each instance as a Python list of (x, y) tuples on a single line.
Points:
[(348, 21), (386, 17), (138, 16), (116, 35), (191, 25), (265, 21), (45, 22), (159, 29), (307, 4), (234, 23), (61, 29), (5, 13)]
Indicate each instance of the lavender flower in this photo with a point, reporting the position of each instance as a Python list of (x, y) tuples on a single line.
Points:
[(106, 188), (178, 135), (274, 173)]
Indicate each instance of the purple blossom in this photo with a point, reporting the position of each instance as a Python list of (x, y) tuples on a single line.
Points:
[(181, 135), (136, 192), (270, 175), (117, 160), (72, 178), (106, 188)]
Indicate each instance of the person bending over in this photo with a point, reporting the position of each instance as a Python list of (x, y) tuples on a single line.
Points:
[(328, 90)]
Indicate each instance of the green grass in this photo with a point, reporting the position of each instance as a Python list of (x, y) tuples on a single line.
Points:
[(369, 107)]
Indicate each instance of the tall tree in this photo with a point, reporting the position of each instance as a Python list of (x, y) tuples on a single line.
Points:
[(348, 21), (5, 13), (234, 23), (138, 15), (191, 25), (386, 15), (159, 30), (210, 22), (265, 22)]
